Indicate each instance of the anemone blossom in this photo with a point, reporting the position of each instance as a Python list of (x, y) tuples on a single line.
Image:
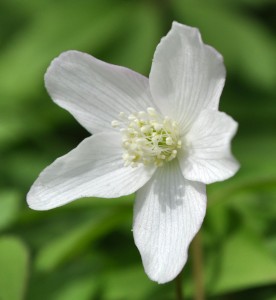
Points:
[(161, 137)]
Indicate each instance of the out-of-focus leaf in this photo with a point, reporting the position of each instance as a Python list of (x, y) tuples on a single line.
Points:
[(247, 200), (241, 262), (70, 244), (52, 29), (256, 155), (78, 25), (18, 123), (10, 26), (140, 39), (242, 3), (248, 49), (9, 207), (130, 283), (23, 167), (13, 268), (256, 111), (80, 288), (79, 278)]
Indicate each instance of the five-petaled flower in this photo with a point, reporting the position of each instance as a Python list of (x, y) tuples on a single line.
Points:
[(161, 137)]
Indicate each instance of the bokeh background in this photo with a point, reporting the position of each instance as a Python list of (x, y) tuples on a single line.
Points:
[(85, 250)]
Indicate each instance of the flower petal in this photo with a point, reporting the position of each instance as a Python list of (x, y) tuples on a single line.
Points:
[(186, 76), (94, 168), (95, 92), (168, 212), (207, 157)]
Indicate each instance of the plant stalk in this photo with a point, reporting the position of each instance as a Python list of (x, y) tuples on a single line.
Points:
[(179, 287), (197, 262)]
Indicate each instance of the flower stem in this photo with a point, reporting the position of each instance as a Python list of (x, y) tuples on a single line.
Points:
[(197, 258), (178, 287)]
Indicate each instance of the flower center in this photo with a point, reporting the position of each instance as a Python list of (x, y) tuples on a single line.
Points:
[(148, 138)]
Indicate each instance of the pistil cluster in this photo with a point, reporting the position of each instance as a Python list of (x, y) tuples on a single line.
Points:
[(148, 138)]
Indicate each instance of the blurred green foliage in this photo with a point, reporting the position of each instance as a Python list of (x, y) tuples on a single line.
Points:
[(85, 250)]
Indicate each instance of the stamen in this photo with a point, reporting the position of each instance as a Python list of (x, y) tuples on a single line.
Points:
[(148, 138), (115, 123), (151, 111), (169, 140)]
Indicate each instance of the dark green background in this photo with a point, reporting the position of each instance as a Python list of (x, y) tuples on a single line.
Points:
[(85, 250)]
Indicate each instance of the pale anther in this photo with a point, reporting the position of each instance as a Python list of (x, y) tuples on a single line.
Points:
[(151, 111), (115, 123), (169, 140)]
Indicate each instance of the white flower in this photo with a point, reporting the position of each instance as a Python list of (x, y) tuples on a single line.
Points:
[(161, 137)]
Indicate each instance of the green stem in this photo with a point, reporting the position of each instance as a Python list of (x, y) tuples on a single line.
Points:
[(178, 287), (197, 258)]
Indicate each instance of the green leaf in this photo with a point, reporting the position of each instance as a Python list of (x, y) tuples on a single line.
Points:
[(9, 207), (136, 284), (257, 171), (243, 3), (140, 38), (247, 47), (241, 262), (78, 279), (61, 26), (14, 268), (73, 242), (240, 258), (77, 26), (80, 288)]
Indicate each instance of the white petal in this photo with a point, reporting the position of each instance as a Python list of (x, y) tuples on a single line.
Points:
[(186, 76), (168, 212), (95, 92), (207, 157), (94, 168)]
